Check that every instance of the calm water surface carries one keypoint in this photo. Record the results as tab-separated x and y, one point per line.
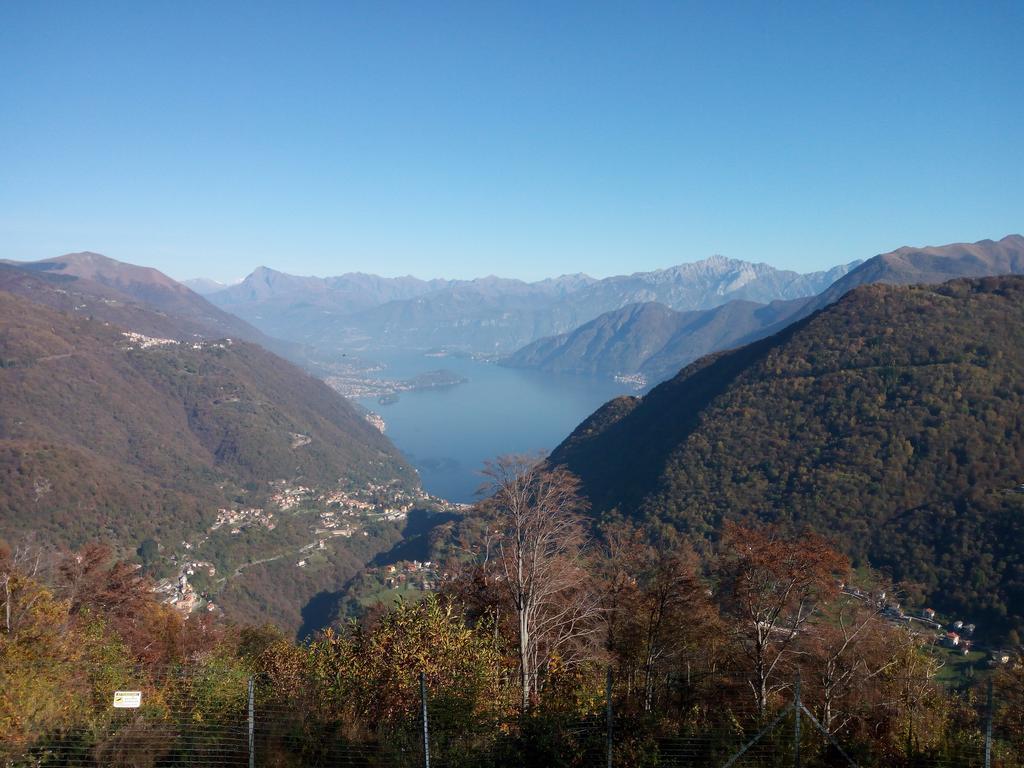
448	433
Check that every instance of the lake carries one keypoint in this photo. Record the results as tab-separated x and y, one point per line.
448	433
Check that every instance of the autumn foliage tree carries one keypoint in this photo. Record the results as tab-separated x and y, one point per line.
376	669
537	561
656	606
771	586
746	617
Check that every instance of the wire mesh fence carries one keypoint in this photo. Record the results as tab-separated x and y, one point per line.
213	715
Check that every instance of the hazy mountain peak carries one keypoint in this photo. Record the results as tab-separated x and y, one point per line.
719	261
264	273
83	257
205	286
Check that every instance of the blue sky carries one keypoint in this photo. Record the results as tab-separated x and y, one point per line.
521	139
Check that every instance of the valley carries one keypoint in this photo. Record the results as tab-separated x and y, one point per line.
277	477
447	433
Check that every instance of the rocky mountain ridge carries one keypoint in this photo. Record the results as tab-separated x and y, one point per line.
356	312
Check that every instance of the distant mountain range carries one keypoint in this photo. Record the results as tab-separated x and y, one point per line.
656	341
492	314
891	421
204	286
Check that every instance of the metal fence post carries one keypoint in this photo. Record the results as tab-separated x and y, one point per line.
426	730
252	724
797	705
988	727
608	715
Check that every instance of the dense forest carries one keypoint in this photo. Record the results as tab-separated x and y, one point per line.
891	420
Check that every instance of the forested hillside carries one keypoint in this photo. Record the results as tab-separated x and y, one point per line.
891	421
104	435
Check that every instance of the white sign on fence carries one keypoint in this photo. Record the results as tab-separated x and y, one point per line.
127	699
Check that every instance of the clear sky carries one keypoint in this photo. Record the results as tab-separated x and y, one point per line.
524	139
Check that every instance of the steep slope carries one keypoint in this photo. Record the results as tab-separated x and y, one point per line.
620	341
933	264
102	435
652	339
603	345
490	314
892	421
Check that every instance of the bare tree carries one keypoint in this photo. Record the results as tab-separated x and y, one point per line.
19	565
771	587
537	553
851	649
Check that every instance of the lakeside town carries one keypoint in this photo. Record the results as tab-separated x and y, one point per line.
635	380
357	385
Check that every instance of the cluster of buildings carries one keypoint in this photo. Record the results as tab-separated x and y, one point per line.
332	524
287	497
635	380
180	594
347	501
423	576
389	501
141	341
377	421
243	518
345	512
958	637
